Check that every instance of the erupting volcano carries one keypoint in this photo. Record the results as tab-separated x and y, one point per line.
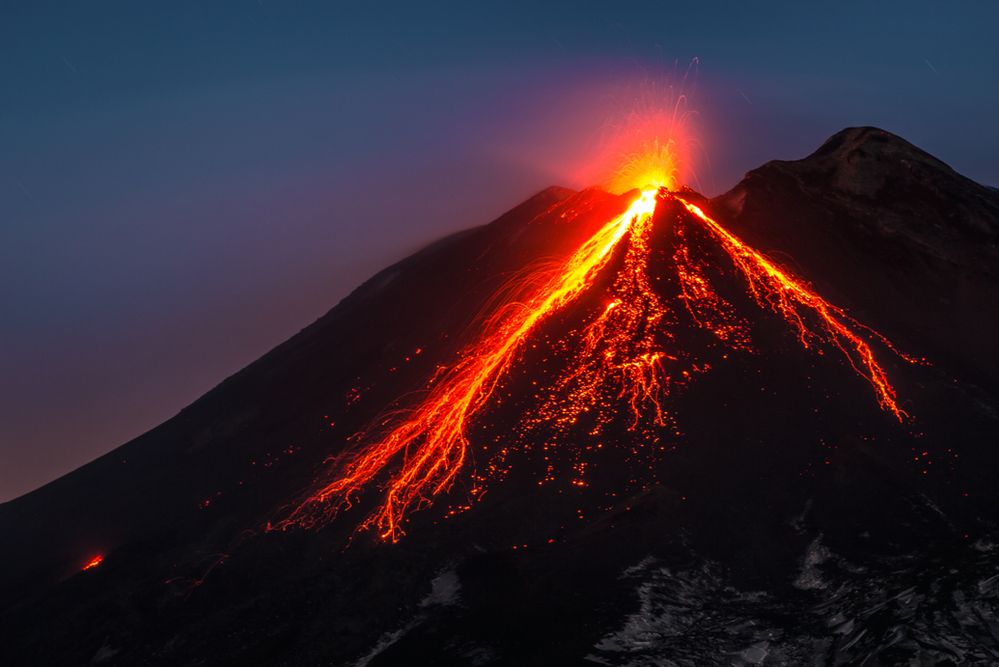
624	357
622	425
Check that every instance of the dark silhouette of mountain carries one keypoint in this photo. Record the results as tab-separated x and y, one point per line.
780	516
909	242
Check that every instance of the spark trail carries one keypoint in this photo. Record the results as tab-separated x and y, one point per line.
618	358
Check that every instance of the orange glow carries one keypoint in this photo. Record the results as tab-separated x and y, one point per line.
655	163
650	142
624	357
93	562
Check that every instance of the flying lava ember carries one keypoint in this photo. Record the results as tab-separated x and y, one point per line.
623	357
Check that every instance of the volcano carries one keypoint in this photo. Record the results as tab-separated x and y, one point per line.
637	429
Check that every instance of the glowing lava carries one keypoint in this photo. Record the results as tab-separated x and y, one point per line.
431	441
791	298
625	356
621	347
93	562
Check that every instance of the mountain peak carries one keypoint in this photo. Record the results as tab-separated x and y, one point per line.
872	163
867	139
869	208
865	160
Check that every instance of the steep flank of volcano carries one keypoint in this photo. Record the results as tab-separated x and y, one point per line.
910	245
252	442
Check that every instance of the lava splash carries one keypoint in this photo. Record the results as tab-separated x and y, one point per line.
625	355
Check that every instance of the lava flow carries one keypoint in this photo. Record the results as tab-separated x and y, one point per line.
793	300
93	562
432	439
625	355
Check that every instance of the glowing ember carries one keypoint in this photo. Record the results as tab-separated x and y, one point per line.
624	356
94	562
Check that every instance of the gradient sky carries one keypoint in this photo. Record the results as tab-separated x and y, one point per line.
185	185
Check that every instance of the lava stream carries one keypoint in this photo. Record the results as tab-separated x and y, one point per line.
791	298
93	562
431	439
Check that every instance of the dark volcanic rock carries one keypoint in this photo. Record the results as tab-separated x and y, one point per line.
792	522
911	245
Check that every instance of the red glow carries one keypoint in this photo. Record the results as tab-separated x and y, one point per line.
93	562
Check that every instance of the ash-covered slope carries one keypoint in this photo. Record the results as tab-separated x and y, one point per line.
776	514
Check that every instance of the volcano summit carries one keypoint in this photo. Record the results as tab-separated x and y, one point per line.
647	428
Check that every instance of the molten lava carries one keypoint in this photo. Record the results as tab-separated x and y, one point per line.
93	562
432	439
791	298
625	356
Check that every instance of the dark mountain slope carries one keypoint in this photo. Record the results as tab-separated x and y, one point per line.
158	482
911	245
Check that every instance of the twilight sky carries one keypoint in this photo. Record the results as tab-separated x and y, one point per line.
185	185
